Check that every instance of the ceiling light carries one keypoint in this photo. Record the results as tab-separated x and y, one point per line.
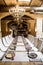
17	12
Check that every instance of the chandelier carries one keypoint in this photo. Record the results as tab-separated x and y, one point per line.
17	12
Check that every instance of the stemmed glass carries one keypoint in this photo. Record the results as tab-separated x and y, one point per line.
28	48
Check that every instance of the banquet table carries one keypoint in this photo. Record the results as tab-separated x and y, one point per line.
21	53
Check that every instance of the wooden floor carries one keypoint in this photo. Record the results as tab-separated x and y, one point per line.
21	63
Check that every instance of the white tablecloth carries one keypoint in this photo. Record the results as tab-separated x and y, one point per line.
38	58
23	57
20	48
20	43
31	45
21	54
20	39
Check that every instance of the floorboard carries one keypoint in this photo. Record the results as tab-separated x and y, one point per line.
21	63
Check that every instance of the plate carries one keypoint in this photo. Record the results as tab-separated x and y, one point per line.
13	47
14	43
10	55
32	55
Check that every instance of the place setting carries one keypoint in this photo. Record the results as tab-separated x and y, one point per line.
10	55
33	56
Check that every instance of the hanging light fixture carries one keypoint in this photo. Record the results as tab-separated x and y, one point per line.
17	12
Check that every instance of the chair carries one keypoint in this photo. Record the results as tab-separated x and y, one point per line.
29	42
41	47
1	54
35	41
31	38
8	40
2	47
25	42
5	42
34	49
39	43
10	37
42	50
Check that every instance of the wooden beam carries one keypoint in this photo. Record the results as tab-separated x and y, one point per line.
30	2
5	2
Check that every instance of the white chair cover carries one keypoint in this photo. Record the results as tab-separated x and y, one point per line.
4	41
2	47
1	54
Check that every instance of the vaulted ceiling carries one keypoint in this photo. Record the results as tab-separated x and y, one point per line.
29	14
14	2
6	4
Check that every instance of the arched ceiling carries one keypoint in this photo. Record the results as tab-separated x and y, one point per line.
14	2
5	5
30	15
4	14
4	11
10	2
7	2
2	2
